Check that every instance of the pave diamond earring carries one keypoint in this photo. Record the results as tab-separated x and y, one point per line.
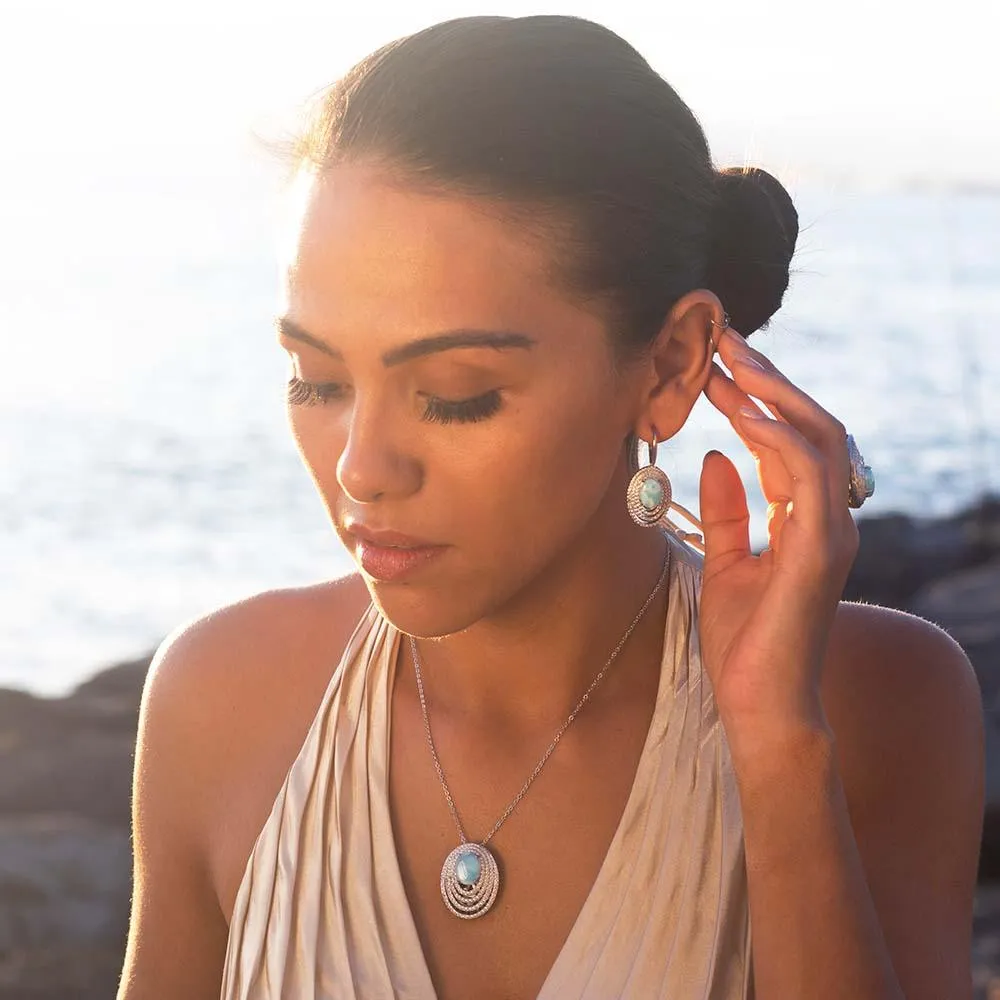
650	496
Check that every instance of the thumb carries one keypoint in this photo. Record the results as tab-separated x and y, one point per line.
725	516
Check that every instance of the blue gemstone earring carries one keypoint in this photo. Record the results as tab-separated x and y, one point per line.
649	492
650	496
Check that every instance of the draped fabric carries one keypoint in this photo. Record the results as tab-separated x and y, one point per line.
322	914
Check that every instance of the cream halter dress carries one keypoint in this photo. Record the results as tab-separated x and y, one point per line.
321	912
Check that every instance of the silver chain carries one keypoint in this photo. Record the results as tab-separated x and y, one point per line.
562	729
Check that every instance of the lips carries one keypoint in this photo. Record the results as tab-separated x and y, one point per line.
390	555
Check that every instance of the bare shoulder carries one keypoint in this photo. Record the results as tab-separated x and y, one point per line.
251	677
225	707
905	707
242	671
897	687
237	657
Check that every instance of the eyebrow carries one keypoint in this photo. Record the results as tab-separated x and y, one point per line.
447	341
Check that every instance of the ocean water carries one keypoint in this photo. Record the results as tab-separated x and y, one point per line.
146	471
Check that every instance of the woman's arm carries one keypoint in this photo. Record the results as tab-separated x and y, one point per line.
226	706
863	842
177	932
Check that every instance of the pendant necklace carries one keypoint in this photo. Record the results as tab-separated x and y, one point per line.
470	878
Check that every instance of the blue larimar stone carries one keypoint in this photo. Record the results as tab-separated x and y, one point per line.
468	869
651	493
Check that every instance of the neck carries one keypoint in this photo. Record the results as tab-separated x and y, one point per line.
529	662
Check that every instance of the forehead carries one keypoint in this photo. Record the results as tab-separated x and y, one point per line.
364	253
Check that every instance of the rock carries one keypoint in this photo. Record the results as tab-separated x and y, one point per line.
967	606
65	886
117	688
72	754
986	943
989	853
899	555
64	881
969	602
65	837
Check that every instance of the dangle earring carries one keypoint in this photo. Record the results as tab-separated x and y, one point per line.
650	496
649	492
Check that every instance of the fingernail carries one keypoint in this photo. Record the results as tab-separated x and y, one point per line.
752	412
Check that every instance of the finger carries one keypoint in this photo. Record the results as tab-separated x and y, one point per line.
727	397
790	404
806	467
781	395
725	517
779	511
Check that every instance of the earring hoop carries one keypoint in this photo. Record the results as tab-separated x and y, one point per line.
651	450
724	325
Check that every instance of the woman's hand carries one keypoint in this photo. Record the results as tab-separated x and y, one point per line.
765	620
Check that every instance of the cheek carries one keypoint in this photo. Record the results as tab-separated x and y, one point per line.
319	441
549	473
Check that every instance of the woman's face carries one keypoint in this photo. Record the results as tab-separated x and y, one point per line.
459	414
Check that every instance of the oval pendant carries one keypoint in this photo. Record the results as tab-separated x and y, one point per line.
470	880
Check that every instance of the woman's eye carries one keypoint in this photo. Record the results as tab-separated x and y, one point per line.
302	393
436	410
444	411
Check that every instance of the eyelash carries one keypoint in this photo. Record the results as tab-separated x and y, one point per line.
464	411
439	411
302	393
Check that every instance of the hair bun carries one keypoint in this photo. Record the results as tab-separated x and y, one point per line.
755	229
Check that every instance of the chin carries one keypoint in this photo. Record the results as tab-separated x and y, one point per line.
424	612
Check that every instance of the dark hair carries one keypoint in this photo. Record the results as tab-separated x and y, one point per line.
564	124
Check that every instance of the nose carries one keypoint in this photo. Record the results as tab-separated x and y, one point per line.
373	466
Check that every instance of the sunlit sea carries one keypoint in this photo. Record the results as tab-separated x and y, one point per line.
146	471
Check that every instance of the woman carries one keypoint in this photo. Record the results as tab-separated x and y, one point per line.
610	745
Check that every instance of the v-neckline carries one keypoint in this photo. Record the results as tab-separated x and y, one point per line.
393	870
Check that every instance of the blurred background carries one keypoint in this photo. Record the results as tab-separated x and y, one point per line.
146	471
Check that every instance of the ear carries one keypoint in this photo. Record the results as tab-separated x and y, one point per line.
680	363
